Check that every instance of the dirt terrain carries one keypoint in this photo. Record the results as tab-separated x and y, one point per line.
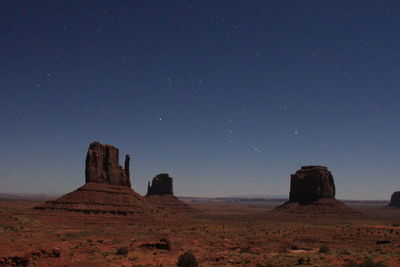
223	233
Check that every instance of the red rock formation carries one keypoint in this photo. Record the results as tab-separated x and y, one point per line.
161	185
311	183
312	190
395	200
160	193
107	189
102	166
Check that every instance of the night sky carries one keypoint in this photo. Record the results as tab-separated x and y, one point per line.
228	97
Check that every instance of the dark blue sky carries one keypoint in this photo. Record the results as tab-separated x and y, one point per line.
229	97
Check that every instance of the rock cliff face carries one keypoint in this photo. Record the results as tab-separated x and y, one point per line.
107	189
312	191
311	183
102	166
161	185
395	199
160	193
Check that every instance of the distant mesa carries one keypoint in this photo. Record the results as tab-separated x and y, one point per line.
161	185
312	189
160	192
107	189
311	183
395	200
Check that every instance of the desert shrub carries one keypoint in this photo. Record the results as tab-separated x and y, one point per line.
187	260
344	252
324	249
366	263
301	261
122	251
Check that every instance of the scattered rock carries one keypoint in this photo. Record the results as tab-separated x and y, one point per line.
382	242
187	260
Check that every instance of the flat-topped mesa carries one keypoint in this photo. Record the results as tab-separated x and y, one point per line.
102	166
160	193
311	183
395	200
161	185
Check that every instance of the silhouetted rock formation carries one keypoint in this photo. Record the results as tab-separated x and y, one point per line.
311	183
107	189
161	185
312	190
160	193
395	200
102	166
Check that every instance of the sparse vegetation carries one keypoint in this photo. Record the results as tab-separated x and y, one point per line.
302	261
122	251
366	263
344	252
243	242
324	249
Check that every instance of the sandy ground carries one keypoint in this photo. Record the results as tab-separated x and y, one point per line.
222	234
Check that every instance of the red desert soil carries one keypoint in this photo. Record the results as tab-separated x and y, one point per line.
242	233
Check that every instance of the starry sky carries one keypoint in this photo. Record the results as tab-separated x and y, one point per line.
228	97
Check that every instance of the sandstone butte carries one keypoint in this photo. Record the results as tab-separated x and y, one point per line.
107	189
395	200
312	190
160	192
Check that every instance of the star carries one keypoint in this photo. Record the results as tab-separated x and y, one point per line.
256	149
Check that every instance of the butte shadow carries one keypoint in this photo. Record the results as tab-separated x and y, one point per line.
107	189
312	190
160	193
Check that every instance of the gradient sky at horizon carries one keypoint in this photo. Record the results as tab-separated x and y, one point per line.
228	97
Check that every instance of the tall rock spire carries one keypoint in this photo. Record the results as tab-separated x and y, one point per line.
102	166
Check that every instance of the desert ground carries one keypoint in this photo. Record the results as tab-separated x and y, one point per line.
221	233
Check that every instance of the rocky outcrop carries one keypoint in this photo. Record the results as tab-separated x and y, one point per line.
161	185
160	193
312	191
311	183
395	200
102	166
107	189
